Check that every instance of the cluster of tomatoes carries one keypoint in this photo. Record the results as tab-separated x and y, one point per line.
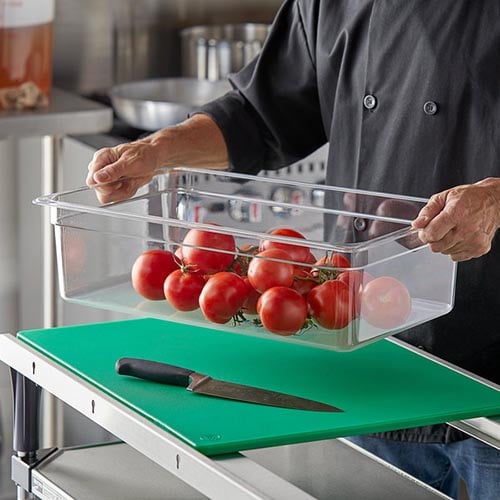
280	283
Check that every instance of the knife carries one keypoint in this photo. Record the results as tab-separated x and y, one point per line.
208	386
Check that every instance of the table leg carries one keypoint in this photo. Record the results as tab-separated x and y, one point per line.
52	422
26	397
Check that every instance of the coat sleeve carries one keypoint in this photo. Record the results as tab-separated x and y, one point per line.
272	116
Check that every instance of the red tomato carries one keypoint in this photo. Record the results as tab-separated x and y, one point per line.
240	263
339	260
178	253
250	304
282	310
264	273
75	253
223	296
149	272
297	253
336	261
355	280
323	272
182	289
204	260
385	302
303	280
311	259
331	304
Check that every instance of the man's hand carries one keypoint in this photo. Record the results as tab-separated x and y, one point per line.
117	173
462	221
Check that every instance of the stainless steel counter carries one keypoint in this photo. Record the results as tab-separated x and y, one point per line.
484	429
67	114
309	470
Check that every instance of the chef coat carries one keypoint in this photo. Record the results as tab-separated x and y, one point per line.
407	94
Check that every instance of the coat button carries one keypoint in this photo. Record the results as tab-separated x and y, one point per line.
359	224
430	108
369	101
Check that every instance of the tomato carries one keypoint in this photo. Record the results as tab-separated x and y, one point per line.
297	253
311	259
182	289
250	304
241	262
339	260
303	280
75	253
282	310
335	261
178	253
323	272
205	260
264	273
149	272
223	296
385	302
332	304
355	280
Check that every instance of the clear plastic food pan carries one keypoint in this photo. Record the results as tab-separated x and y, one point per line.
353	270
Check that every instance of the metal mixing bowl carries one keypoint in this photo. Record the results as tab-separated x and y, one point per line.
158	103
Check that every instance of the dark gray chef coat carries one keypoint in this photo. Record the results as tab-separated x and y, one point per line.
407	93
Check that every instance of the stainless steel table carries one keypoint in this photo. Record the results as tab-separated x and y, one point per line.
328	469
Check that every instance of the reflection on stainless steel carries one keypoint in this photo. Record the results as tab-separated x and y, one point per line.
213	52
100	43
158	103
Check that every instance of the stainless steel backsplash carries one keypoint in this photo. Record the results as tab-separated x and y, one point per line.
98	43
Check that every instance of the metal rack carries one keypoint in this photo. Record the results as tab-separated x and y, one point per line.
235	476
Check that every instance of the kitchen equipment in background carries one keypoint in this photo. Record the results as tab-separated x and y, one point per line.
200	383
157	103
101	43
213	52
26	53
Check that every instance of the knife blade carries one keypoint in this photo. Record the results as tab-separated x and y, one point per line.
200	383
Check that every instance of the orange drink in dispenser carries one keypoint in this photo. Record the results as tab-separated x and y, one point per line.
25	53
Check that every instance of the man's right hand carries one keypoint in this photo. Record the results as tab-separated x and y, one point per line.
117	173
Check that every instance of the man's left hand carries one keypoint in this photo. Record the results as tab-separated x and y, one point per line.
462	221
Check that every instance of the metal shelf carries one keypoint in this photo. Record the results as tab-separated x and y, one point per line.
290	472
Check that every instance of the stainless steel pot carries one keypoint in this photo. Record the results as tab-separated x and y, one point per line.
213	52
158	103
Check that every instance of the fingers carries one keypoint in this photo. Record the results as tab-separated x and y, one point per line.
112	172
439	227
133	160
101	159
108	166
434	206
452	224
120	190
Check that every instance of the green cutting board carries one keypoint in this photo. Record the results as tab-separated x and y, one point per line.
380	387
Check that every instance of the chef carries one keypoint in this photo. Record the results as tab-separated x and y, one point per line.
407	93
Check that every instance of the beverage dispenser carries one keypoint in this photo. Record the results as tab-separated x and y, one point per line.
25	53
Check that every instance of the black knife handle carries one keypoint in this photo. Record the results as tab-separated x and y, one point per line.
154	371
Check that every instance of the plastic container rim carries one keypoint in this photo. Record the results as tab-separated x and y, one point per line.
53	201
